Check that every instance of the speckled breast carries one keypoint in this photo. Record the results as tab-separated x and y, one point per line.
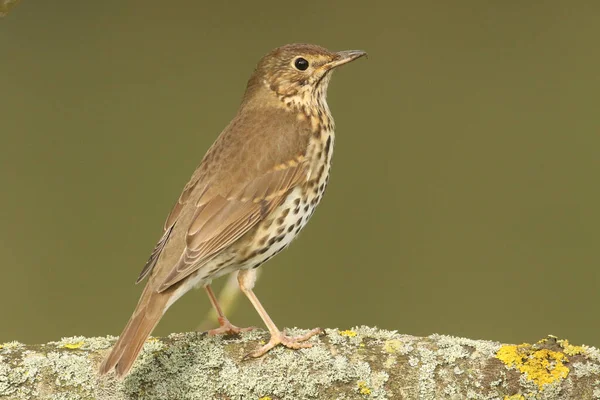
277	231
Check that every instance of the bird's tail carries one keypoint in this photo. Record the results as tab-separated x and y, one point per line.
148	312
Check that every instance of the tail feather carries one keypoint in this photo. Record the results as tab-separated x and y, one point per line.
148	312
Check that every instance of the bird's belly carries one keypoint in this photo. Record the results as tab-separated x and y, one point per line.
271	236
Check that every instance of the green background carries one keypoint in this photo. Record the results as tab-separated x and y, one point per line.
464	197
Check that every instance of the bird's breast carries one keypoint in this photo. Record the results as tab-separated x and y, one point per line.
284	224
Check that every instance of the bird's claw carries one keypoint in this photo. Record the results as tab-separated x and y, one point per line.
227	328
291	342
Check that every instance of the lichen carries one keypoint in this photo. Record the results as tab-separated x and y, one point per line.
541	366
569	349
14	345
83	343
427	368
72	371
368	363
392	346
73	346
585	369
484	347
363	388
591	353
192	359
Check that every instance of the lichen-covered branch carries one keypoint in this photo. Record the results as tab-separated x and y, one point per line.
362	363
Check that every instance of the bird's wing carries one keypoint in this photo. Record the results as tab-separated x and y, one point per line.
221	219
168	228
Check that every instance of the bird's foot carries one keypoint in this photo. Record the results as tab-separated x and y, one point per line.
291	342
227	328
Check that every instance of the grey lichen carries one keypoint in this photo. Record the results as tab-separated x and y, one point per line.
358	363
14	345
429	363
84	343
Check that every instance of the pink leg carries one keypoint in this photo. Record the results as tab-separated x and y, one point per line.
246	280
225	327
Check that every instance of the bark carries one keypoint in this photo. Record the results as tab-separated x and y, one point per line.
362	363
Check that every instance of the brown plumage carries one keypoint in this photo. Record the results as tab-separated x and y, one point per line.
254	190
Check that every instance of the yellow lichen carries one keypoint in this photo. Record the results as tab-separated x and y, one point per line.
73	346
392	346
544	340
569	349
514	397
1	346
389	362
363	388
348	333
152	339
542	366
265	398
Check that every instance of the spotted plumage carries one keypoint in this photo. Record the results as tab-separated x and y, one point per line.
254	191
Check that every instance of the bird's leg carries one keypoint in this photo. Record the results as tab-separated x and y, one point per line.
225	327
246	279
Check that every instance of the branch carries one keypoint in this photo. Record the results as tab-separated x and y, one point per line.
364	363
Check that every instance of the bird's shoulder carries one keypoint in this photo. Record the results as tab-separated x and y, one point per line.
254	142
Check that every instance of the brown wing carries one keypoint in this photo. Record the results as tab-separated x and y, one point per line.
220	220
168	228
155	255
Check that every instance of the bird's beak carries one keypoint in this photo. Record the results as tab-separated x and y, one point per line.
344	57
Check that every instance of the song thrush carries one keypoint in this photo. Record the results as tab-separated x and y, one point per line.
253	192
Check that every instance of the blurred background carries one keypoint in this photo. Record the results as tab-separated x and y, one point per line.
464	197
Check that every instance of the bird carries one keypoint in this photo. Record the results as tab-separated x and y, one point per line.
253	192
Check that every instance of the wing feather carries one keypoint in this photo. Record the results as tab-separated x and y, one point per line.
168	229
220	220
155	254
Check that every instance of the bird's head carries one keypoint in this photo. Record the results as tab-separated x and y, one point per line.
299	69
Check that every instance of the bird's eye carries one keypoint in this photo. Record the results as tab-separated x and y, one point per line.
301	64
